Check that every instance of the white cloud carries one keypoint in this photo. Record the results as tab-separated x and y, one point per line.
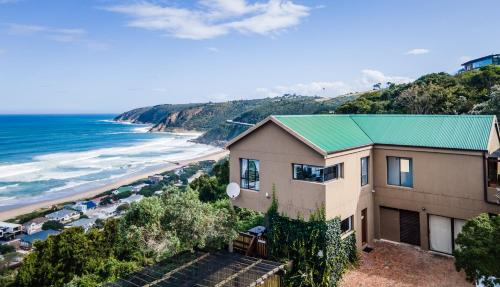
309	89
63	35
214	18
417	51
213	49
371	77
335	88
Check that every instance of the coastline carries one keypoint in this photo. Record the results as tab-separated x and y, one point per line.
11	213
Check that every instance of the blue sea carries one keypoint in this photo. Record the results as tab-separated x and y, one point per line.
44	157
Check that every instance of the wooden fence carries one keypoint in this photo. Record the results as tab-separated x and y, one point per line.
251	245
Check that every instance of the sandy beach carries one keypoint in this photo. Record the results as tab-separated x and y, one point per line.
11	213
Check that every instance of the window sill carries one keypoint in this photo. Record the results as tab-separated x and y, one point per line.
250	190
318	182
400	187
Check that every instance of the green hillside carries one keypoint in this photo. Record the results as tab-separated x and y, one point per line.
473	92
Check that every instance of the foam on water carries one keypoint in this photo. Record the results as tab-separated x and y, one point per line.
57	174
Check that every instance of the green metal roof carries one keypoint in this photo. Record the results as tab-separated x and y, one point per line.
333	133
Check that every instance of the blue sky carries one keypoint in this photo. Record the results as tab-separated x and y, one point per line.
60	56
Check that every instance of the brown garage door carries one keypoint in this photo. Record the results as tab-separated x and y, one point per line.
409	227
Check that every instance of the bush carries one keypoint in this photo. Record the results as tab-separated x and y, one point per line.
52	224
6	248
319	255
478	251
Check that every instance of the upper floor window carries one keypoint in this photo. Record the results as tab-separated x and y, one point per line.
493	172
364	170
249	174
347	224
399	171
316	173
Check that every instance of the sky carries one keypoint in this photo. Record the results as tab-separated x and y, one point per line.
109	56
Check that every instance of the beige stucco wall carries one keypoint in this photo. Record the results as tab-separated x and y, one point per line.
276	150
446	183
347	197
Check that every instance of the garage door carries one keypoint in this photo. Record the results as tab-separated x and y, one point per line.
409	227
400	225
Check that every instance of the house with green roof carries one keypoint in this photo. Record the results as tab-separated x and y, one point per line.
414	179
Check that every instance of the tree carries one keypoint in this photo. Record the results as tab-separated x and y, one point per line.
52	224
208	188
221	171
478	249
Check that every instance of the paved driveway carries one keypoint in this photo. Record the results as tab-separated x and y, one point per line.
391	264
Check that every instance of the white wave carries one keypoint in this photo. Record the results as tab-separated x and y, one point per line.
9	186
95	163
143	129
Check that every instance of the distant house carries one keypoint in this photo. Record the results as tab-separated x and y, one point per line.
9	230
159	192
85	223
79	206
28	240
83	206
96	201
103	212
34	225
493	59
155	179
131	199
63	215
122	190
195	176
137	188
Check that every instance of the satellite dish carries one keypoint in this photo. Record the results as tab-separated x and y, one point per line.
233	190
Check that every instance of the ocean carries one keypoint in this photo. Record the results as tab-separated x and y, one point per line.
45	157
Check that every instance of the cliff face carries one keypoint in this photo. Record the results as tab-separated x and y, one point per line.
212	118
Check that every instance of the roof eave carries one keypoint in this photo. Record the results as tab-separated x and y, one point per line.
281	125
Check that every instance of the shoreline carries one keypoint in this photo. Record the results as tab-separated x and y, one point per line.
14	212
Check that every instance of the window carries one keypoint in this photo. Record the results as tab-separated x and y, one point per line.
399	171
316	173
364	171
249	173
443	232
347	224
492	172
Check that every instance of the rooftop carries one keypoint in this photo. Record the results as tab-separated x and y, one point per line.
481	58
42	235
332	133
61	213
204	269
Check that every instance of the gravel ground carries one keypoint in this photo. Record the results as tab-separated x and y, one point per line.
391	264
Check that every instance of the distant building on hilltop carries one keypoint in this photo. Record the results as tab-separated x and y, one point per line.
493	59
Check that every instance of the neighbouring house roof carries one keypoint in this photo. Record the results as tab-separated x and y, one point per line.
42	235
84	222
204	269
8	224
332	133
38	220
61	213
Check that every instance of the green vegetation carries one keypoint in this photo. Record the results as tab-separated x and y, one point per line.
319	255
6	248
472	92
478	251
52	224
211	117
151	230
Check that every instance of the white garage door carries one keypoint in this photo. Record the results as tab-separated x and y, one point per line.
440	233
